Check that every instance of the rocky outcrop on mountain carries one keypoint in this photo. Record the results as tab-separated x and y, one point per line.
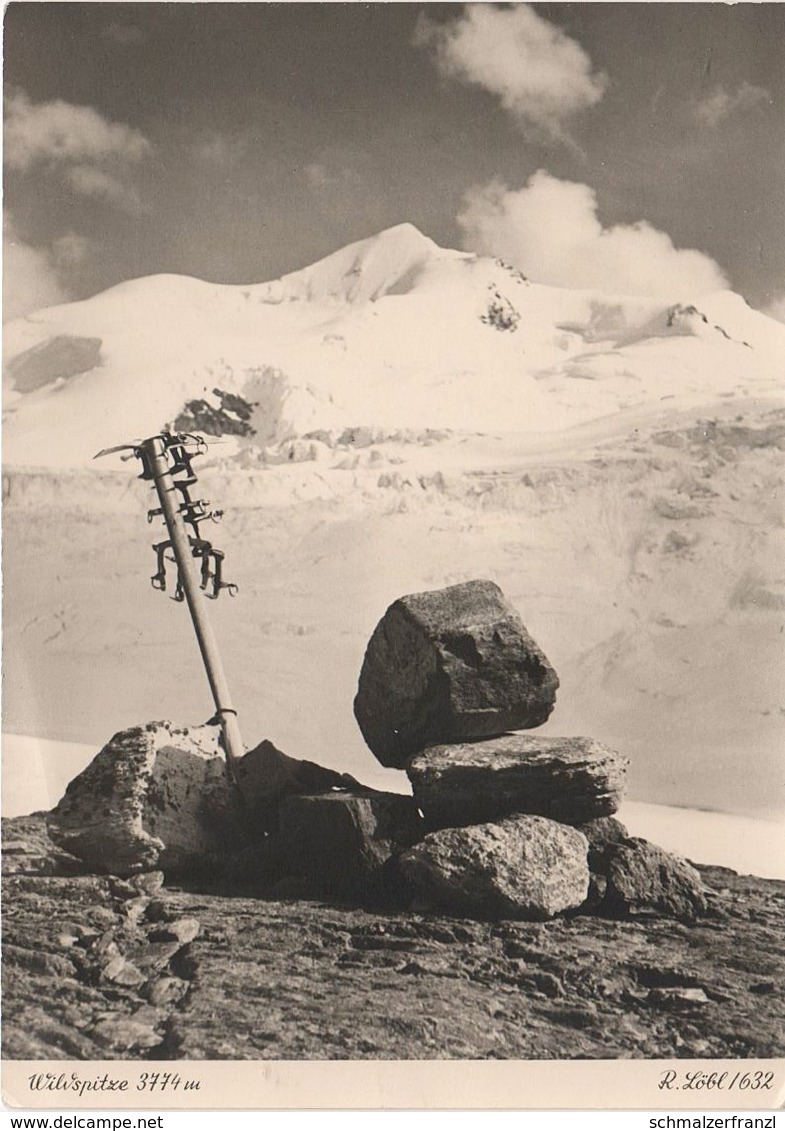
490	829
234	978
569	779
67	354
450	665
590	943
519	868
229	415
158	796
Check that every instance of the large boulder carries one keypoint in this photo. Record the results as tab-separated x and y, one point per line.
568	779
339	840
520	868
642	878
156	796
450	665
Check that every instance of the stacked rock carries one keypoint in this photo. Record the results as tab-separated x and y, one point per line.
500	823
517	825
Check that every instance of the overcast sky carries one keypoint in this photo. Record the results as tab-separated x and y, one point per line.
631	147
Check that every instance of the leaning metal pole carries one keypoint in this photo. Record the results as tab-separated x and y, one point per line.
155	449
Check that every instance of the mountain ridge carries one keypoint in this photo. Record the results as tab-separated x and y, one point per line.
391	331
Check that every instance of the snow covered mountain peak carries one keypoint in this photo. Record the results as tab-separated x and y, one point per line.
389	263
391	332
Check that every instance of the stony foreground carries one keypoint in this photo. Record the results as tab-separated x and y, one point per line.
102	968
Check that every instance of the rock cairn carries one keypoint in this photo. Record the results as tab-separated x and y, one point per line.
516	825
500	823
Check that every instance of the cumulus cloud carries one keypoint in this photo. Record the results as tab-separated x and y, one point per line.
58	132
539	74
720	103
95	157
89	180
550	230
30	276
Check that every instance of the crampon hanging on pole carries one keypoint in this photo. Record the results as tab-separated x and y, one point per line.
166	461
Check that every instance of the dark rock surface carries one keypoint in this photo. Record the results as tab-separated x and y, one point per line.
339	840
449	665
157	796
290	979
568	779
266	772
56	358
519	868
641	877
267	776
602	833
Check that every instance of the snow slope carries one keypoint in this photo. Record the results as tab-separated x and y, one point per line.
417	417
392	332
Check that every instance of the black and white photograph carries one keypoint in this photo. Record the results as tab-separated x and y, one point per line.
393	545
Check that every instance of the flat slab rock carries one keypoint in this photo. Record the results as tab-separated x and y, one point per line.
567	779
450	665
338	840
520	868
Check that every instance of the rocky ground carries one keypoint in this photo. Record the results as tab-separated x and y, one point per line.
96	967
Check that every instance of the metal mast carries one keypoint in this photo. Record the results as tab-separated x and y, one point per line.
166	460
